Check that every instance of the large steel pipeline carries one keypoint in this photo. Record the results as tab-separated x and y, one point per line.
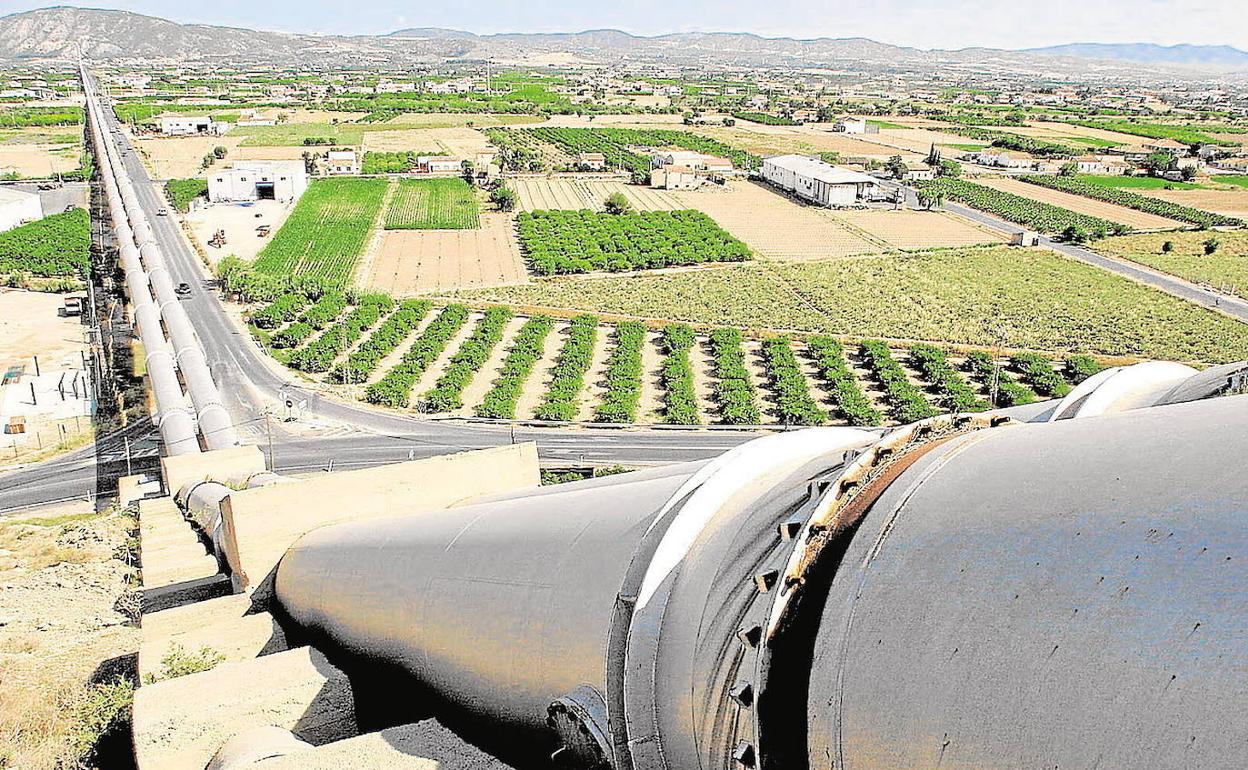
147	276
964	592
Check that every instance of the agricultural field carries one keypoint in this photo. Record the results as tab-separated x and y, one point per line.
1187	134
411	262
432	204
463	143
776	227
406	120
567	193
613	143
181	192
1154	207
1229	202
1226	268
581	241
912	230
1023	208
1015	298
40	152
327	231
56	246
1119	182
499	363
780	140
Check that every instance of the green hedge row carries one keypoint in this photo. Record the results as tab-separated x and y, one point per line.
319	354
281	310
1079	368
954	392
500	401
794	404
850	400
734	392
905	400
1009	392
324	310
569	373
680	400
1038	372
623	375
363	360
448	392
395	388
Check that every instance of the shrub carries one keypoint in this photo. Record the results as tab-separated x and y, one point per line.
907	403
623	375
500	401
319	354
395	388
680	400
568	375
1080	368
734	392
57	245
1037	371
447	392
794	404
851	402
389	335
983	368
954	393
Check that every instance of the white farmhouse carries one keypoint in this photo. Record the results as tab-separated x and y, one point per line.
816	181
697	161
438	164
191	125
673	177
338	162
278	180
18	208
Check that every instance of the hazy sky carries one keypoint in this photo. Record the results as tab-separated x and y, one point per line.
922	23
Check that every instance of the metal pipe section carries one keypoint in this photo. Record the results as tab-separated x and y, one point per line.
147	276
964	592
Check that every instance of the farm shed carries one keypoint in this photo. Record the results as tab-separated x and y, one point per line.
816	181
18	208
341	162
279	180
693	160
438	164
675	178
191	125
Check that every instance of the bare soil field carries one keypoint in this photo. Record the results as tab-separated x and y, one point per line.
918	140
776	227
179	157
568	193
412	262
1047	129
1137	220
31	325
1232	203
617	121
38	160
66	576
909	229
239	223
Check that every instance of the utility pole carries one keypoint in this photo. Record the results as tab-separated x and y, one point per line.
268	424
129	472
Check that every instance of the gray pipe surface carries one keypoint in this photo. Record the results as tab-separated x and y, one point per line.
953	594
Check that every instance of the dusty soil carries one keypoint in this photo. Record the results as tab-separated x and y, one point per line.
776	227
31	325
775	140
178	157
240	223
463	143
1135	219
412	262
66	592
38	160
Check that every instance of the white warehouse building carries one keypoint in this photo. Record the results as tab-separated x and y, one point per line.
191	125
277	180
818	182
18	208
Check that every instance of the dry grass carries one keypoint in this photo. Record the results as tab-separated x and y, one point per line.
909	229
567	193
1232	203
61	682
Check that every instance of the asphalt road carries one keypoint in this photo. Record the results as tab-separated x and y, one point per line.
369	437
1232	306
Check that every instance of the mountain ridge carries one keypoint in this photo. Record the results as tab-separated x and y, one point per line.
61	33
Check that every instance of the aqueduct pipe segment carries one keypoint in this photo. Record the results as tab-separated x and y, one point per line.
955	593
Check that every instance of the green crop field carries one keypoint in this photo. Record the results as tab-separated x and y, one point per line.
1188	134
296	134
433	204
1226	267
57	245
1137	182
327	231
22	117
1131	200
614	144
1021	298
1238	181
581	241
182	191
